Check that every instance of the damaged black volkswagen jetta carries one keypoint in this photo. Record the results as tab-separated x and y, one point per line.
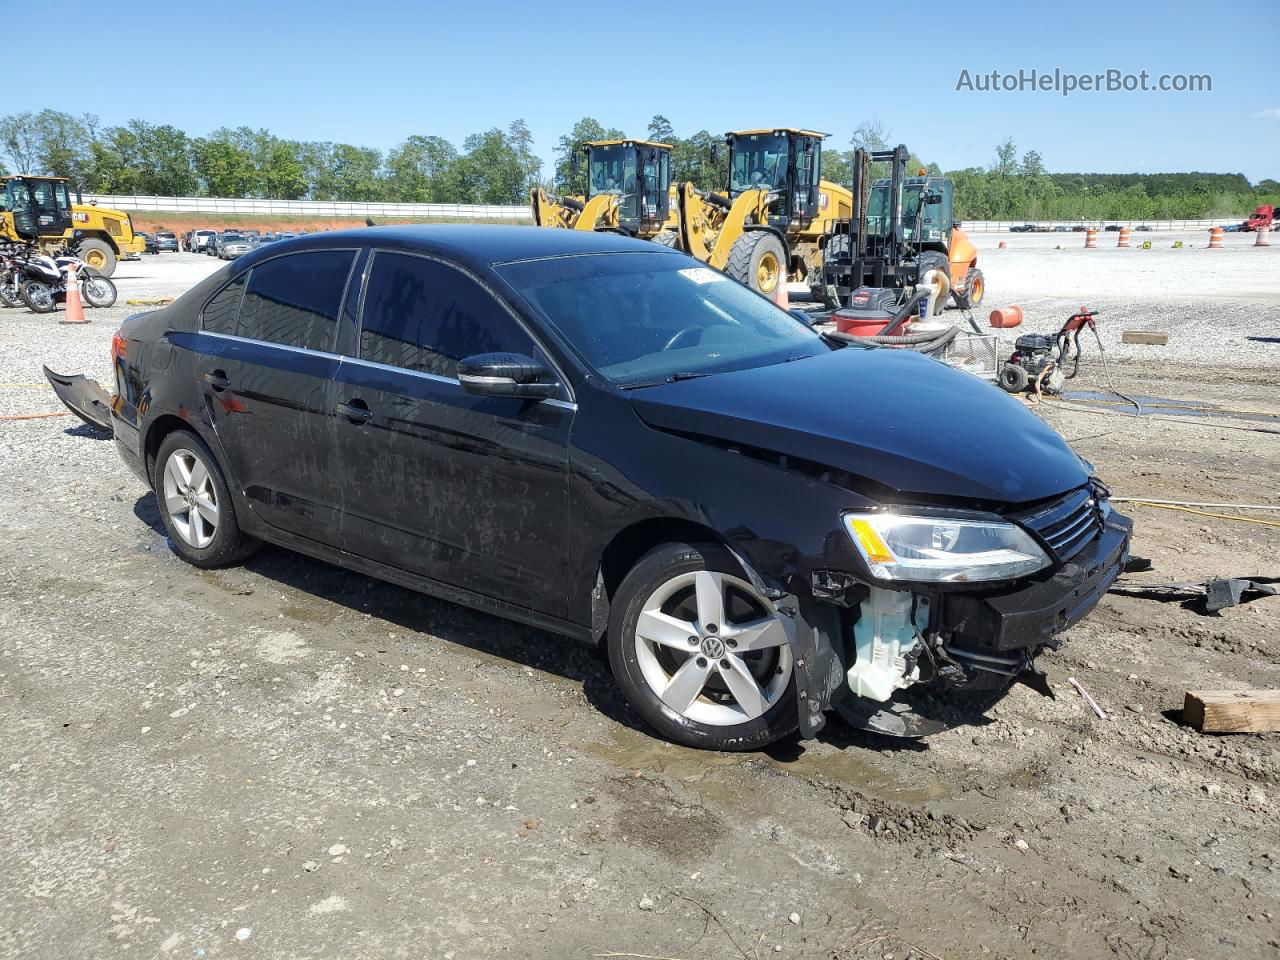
604	438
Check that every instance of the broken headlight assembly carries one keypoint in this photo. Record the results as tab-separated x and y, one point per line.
924	549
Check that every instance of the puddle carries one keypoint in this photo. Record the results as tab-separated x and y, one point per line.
1163	406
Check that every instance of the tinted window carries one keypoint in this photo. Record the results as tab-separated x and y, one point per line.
295	300
424	315
220	312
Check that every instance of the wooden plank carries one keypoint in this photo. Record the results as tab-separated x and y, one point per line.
1150	338
1232	711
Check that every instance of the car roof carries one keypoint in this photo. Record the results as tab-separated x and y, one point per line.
479	245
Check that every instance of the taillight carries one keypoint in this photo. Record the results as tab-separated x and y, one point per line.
119	346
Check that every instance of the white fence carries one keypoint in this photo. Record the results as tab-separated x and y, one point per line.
310	208
1002	226
475	211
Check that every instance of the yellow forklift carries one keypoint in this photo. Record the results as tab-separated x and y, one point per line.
766	228
628	191
39	210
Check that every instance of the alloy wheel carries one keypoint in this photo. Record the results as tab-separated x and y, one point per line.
712	649
190	498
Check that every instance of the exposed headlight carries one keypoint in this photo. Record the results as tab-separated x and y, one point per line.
941	550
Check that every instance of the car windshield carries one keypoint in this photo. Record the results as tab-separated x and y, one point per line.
759	160
641	319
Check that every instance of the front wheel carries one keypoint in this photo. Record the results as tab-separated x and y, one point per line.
37	296
9	293
975	288
699	653
668	238
98	291
757	259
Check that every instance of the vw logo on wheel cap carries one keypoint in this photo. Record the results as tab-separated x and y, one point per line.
712	648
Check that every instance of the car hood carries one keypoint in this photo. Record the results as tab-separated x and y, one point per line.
893	417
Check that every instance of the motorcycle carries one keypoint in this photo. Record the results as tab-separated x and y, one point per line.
12	263
44	283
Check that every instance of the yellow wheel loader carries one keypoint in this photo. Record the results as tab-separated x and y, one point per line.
39	210
628	191
901	228
767	228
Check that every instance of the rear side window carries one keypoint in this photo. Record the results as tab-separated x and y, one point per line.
424	315
295	300
221	311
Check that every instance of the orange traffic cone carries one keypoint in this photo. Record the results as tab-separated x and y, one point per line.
780	295
1124	237
1091	240
75	310
1215	238
1261	239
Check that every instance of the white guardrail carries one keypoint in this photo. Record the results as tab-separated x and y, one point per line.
476	211
309	208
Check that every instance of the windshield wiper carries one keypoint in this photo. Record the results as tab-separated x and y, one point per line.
669	378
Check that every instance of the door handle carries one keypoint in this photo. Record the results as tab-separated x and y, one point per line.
357	411
217	379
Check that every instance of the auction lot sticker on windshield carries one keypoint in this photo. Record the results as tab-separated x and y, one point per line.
702	275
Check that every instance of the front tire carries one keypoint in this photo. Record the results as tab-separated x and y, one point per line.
1013	378
699	654
195	504
668	238
98	291
975	289
758	260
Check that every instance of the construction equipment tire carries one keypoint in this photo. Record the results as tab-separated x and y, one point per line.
668	238
97	255
932	260
757	259
975	288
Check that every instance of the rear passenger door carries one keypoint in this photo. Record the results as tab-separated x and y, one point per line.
264	361
466	490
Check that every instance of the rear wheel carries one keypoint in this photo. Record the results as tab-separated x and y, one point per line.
97	256
98	291
757	259
933	261
699	653
668	238
196	504
37	296
9	295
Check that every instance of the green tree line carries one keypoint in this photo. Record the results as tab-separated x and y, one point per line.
499	166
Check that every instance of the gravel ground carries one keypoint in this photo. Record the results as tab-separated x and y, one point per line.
286	760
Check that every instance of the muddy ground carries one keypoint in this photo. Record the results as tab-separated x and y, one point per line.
286	760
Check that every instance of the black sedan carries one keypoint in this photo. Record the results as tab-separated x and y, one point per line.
605	438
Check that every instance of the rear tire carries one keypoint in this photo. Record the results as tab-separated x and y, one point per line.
933	261
734	688
37	296
9	295
668	238
758	260
97	256
195	504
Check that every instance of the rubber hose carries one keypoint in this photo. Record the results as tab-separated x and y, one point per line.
724	203
899	340
933	346
572	204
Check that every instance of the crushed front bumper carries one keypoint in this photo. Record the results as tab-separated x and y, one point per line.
1030	616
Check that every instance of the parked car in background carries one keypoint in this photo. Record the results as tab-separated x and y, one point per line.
540	424
200	239
167	242
1112	227
1023	228
150	245
1079	228
237	247
1143	227
285	236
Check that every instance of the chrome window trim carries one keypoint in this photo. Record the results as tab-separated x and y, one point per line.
269	343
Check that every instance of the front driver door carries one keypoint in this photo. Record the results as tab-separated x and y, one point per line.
469	491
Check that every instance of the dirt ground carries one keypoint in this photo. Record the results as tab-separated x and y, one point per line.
286	760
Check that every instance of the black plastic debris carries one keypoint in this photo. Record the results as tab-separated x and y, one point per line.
1206	596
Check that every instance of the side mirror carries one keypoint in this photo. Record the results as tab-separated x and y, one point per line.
506	375
956	224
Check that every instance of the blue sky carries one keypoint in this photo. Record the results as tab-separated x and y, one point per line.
375	71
